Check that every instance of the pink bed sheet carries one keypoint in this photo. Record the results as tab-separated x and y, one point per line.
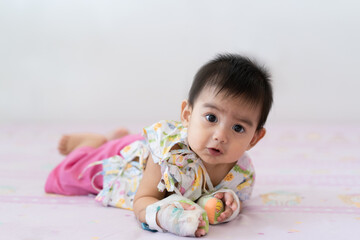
307	187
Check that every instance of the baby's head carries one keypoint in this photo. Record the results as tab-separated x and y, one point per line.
228	104
235	76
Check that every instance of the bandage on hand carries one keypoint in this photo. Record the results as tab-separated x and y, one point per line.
178	215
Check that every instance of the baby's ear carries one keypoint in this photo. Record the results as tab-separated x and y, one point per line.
185	113
258	135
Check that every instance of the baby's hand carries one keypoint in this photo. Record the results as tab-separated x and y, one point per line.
230	205
178	215
200	231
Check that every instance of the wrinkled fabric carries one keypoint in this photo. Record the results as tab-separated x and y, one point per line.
72	176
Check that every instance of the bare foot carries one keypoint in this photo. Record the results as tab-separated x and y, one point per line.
69	143
118	133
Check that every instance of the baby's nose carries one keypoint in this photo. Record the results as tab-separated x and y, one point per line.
220	135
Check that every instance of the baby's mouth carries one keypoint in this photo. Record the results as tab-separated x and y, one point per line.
214	151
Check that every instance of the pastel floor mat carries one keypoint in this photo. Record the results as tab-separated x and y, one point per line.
307	187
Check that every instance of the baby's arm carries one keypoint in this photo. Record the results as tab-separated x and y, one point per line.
148	194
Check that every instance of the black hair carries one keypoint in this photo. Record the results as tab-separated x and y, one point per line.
236	76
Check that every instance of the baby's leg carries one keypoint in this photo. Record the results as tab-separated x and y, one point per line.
118	133
65	177
70	142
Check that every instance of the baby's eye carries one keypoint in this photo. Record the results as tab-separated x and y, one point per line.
211	118
238	128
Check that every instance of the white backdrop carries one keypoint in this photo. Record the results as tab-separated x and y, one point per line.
133	61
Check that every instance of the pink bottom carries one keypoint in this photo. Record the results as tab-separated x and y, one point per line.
64	179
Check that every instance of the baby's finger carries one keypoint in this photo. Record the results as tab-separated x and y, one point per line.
226	214
202	223
200	232
219	195
229	199
234	206
187	206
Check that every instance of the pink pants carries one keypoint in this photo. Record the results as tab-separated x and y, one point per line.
64	178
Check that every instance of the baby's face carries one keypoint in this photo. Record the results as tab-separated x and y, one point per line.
221	129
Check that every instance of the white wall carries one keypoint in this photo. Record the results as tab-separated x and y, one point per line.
133	61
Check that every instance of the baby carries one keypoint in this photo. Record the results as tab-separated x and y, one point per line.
162	173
